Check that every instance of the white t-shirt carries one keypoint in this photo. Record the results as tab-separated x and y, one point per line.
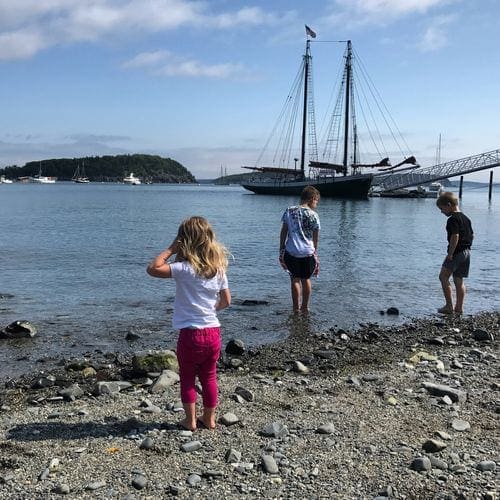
195	297
301	223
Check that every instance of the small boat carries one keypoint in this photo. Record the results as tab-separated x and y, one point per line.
42	179
339	172
132	180
79	176
3	180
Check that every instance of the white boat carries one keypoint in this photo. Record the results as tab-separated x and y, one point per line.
79	176
42	179
3	180
132	180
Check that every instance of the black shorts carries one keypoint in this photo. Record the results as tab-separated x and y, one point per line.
300	267
459	265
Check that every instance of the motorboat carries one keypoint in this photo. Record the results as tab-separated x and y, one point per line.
132	180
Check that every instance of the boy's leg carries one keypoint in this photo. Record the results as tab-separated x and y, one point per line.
444	278
306	294
460	292
295	289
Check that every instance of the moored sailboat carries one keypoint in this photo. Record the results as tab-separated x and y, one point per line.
79	176
339	172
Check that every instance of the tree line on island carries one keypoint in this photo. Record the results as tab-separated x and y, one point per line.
150	168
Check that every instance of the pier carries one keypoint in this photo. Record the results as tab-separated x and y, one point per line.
423	175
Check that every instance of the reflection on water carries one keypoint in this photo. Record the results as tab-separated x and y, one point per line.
74	257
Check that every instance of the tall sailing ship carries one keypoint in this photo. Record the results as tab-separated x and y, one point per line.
339	171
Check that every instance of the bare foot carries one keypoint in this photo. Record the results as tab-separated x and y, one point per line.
445	310
188	425
205	424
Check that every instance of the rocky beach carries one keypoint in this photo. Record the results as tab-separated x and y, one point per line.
378	412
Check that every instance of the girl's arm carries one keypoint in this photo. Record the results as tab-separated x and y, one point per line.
159	268
224	299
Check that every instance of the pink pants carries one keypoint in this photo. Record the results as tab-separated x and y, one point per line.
197	352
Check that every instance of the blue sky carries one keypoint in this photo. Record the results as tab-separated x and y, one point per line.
203	81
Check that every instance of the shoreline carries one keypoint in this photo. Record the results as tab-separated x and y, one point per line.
334	414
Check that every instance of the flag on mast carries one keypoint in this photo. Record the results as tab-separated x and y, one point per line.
310	32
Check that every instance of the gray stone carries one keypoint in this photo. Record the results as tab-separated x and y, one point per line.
269	464
486	465
139	481
460	425
101	388
43	382
167	379
275	429
300	367
232	456
18	330
437	463
71	393
95	485
421	464
235	347
147	444
190	446
246	394
327	428
483	335
193	480
229	419
433	445
62	489
456	395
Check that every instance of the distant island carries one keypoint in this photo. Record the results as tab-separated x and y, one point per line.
149	168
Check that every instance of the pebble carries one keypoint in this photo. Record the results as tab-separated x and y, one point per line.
433	445
327	428
269	464
275	429
486	465
139	481
147	444
95	485
246	394
193	480
229	419
421	464
460	425
191	446
62	489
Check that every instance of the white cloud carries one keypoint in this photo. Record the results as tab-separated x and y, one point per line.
62	22
381	12
21	44
165	63
435	36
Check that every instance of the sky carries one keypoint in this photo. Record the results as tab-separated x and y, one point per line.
203	82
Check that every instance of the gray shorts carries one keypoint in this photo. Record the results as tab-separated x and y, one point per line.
459	265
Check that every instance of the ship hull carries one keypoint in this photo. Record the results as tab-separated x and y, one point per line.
350	186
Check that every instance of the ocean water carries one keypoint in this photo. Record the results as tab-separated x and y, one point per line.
73	260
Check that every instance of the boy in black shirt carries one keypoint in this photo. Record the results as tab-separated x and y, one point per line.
457	261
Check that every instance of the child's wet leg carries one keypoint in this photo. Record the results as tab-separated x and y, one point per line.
208	418
444	278
189	421
306	294
460	291
295	289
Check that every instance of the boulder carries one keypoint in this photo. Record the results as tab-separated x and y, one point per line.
155	362
235	347
21	329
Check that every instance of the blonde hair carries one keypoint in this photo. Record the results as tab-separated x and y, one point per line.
197	245
447	199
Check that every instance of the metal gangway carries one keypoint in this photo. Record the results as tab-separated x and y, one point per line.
424	175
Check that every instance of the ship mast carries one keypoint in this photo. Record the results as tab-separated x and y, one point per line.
348	71
307	59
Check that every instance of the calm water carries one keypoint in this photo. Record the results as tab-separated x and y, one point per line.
74	257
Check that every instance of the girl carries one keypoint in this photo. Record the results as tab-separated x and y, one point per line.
199	271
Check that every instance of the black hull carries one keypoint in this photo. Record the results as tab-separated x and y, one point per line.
349	186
